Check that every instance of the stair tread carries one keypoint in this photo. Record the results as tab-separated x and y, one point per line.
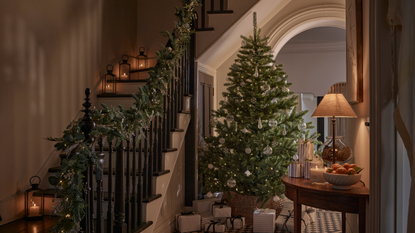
143	226
113	95
177	130
160	173
220	12
152	198
132	81
204	29
184	112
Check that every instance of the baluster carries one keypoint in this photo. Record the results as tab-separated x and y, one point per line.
172	104
87	126
212	5
119	215
134	192
145	168
127	188
140	182
169	115
155	154
150	161
110	212
91	196
221	5
98	178
160	144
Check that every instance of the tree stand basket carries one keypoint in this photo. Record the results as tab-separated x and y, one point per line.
246	205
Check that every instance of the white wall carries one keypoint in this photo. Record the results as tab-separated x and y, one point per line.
50	51
313	71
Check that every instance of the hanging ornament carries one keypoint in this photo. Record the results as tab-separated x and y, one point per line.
243	43
274	143
272	123
226	150
302	126
230	118
266	87
256	72
284	131
209	195
221	140
231	183
242	84
276	198
248	150
259	123
274	101
267	150
210	166
253	100
213	121
244	130
247	173
295	157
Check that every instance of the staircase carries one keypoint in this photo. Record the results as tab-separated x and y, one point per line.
135	184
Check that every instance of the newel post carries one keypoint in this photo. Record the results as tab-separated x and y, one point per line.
87	126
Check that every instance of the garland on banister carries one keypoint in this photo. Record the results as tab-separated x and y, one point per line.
116	124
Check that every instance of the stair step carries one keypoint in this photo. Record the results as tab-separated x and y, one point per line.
114	95
152	198
177	130
221	12
160	173
204	29
143	226
48	193
188	95
169	150
184	112
140	70
132	81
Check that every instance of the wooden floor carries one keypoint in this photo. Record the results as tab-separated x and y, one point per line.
34	226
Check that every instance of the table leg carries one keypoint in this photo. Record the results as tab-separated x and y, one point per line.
343	222
362	215
297	214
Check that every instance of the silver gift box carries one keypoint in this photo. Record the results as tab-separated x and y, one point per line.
295	170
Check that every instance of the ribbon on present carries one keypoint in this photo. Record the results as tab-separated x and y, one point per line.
233	218
286	218
212	223
221	203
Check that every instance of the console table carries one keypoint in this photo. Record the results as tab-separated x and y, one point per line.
325	197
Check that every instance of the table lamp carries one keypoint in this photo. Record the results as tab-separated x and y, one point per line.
334	105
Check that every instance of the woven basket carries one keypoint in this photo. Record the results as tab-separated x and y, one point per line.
246	205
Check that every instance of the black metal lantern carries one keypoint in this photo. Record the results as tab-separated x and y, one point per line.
34	200
109	81
142	59
124	68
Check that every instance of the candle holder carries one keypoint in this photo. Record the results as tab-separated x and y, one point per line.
34	200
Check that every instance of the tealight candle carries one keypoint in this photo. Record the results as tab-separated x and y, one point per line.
316	175
34	210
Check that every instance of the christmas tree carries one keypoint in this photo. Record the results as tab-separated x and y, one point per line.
257	126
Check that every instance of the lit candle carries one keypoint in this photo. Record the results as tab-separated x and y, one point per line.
34	210
316	174
109	88
124	76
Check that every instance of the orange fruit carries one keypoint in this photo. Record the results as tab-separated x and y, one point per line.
346	165
351	171
353	165
335	166
341	170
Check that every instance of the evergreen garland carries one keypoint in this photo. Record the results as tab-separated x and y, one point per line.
116	124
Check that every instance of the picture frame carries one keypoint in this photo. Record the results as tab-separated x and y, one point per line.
354	51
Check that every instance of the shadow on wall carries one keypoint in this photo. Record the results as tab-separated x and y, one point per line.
50	51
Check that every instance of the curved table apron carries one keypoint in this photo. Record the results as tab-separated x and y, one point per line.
325	197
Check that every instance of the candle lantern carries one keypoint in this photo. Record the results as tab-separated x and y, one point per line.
109	81
124	73
142	59
34	201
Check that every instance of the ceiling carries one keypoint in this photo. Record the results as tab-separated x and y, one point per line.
320	35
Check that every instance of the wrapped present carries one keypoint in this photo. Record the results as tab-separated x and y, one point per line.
237	222
285	221
305	150
213	195
296	170
207	217
187	222
204	205
264	220
221	209
215	226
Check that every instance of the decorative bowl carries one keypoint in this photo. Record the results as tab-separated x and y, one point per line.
342	181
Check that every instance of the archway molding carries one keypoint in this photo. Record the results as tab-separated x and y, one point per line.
308	18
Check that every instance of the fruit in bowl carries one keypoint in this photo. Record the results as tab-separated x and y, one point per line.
343	177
